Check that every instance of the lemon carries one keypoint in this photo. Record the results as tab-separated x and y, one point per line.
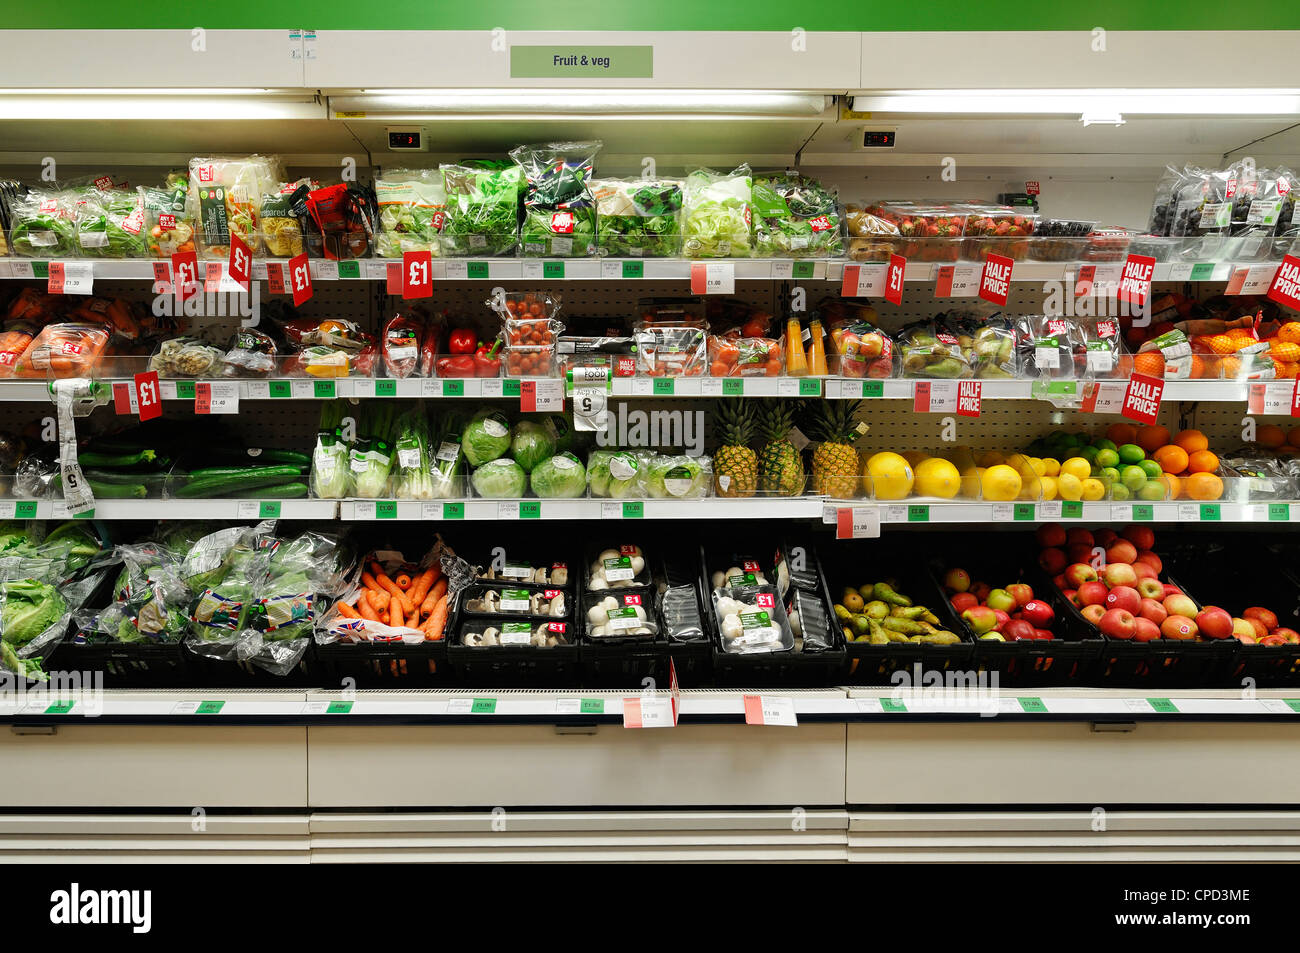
914	457
1077	467
891	475
1001	483
991	458
1069	487
936	477
1093	489
1049	487
1051	466
1040	468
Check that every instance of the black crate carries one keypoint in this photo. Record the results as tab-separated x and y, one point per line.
515	666
1068	659
129	664
625	664
385	664
692	661
219	673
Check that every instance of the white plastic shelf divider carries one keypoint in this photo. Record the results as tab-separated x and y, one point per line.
801	507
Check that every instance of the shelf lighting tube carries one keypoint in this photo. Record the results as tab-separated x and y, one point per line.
128	104
1077	102
604	103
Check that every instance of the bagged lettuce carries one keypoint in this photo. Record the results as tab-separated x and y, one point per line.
636	218
559	210
717	214
482	209
412	211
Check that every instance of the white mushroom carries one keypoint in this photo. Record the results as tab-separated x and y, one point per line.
539	575
605	554
719	579
597	613
560	576
600	630
638	564
598	583
557	605
732	627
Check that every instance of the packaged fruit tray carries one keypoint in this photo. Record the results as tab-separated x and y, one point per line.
1017	631
947	645
1151	626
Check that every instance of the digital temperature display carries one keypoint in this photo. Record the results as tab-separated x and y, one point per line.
404	140
872	139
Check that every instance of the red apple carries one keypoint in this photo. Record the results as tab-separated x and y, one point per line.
1151	559
1147	631
1179	604
980	619
1017	630
1142	537
1152	610
1044	634
1214	623
980	590
1050	534
1119	574
1001	599
1143	571
1178	627
1269	619
1059	581
1118	624
1052	561
1126	598
1072	595
957	580
1002	617
1079	573
1260	630
1079	553
1022	592
1093	613
1243	631
1171	589
1078	536
1038	613
1093	593
1290	635
1104	537
1151	589
1272	639
963	601
1121	552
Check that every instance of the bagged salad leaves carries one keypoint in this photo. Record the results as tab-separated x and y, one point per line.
482	208
412	207
169	228
638	218
281	215
150	599
717	215
43	224
223	198
111	224
559	210
795	217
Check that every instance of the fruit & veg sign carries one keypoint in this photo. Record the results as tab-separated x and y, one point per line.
1142	399
995	282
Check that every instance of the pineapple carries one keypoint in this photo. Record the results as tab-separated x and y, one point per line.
780	468
835	465
735	465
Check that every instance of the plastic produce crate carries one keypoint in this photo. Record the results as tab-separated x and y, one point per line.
692	660
219	673
128	664
623	661
385	664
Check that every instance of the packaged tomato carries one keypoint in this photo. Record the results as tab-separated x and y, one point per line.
733	356
67	349
520	306
403	336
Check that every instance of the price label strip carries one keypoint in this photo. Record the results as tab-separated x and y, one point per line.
769	710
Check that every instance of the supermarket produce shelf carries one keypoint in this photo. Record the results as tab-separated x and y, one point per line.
157	509
922	513
592	706
799	507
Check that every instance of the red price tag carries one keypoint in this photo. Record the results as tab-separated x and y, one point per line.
147	395
55	284
1295	399
202	398
275	277
970	396
393	274
185	274
300	279
122	402
1285	289
1083	284
765	600
162	274
212	277
632	600
1142	398
894	275
921	398
417	274
995	282
241	261
1135	281
1031	188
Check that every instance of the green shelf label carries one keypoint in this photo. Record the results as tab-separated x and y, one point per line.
476	269
892	704
452	388
385	388
810	388
210	707
483	706
324	390
552	269
633	511
1202	271
59	708
41	269
453	511
802	269
185	390
1294	703
509	388
1279	512
349	269
633	269
85	515
592	706
1032	705
1209	512
268	510
918	513
664	387
873	388
1145	511
733	388
338	708
1022	512
1072	510
1162	705
530	510
386	510
25	510
281	390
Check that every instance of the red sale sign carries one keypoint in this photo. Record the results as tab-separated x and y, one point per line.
241	261
417	274
970	395
300	279
147	396
1285	289
185	274
1135	282
894	275
1142	398
995	282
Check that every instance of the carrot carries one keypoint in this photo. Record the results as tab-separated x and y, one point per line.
431	600
363	607
379	599
422	584
368	581
394	590
345	610
395	615
403	581
437	620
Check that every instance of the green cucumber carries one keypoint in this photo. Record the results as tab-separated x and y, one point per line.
283	491
205	472
226	484
93	459
266	456
117	491
130	479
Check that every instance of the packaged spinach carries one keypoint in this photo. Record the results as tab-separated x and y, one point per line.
482	208
559	210
638	218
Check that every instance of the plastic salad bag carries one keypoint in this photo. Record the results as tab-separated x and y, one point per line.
43	224
717	214
223	198
169	228
150	600
412	211
795	217
482	208
638	218
344	215
34	614
675	477
281	215
111	224
559	210
613	474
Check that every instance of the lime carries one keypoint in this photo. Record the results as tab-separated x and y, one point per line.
1107	457
1108	475
1152	490
1118	491
1104	444
1088	453
1131	453
1151	469
1133	477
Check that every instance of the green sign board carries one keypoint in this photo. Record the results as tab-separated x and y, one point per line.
579	61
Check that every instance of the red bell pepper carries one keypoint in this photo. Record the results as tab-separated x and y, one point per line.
461	341
487	362
458	365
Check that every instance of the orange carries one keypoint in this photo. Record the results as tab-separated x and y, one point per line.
1286	450
1198	367
1174	484
1293	436
1239	334
1221	344
1284	351
1153	436
1204	486
1290	332
1192	440
1271	436
1286	370
1122	433
1202	461
1150	363
1231	367
1172	459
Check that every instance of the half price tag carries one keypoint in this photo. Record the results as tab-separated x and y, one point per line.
894	275
995	282
1285	289
1273	397
1104	397
857	522
300	279
969	398
1135	282
417	274
541	395
767	710
1142	398
713	278
1254	280
70	278
863	281
957	281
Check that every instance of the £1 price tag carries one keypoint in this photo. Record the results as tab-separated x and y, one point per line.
713	278
894	275
147	395
185	274
649	711
300	279
240	265
417	274
768	710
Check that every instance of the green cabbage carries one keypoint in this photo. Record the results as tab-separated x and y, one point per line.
677	477
500	480
561	477
613	473
486	437
531	443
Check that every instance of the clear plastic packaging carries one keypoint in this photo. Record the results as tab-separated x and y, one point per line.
615	353
638	218
670	339
281	216
675	477
528	571
614	474
412	206
356	619
619	616
223	198
169	227
508	633
618	567
717	216
150	600
330	348
931	349
752	619
43	224
988	344
559	209
531	603
870	237
795	217
401	343
1108	244
926	232
1059	239
34	613
186	358
251	354
997	230
67	349
1051	347
111	224
344	216
1105	348
482	209
561	477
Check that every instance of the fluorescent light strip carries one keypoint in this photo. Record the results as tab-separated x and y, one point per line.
604	102
1157	102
